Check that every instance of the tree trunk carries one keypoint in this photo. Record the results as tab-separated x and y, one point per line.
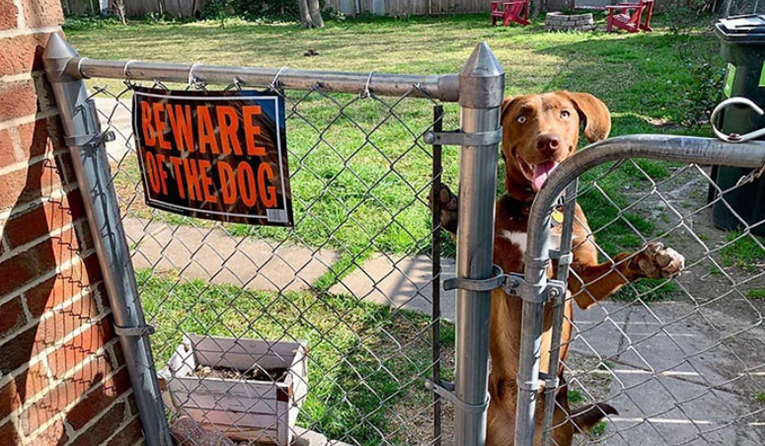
305	16
315	11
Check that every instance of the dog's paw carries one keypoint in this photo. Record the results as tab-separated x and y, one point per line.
659	262
449	206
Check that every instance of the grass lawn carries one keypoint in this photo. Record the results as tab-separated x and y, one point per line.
361	175
351	158
366	365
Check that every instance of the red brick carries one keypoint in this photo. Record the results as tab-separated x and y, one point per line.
29	343
56	326
33	182
103	429
8	433
18	99
12	317
16	353
7	154
55	435
43	13
81	347
129	434
23	387
69	391
27	265
56	290
98	400
23	228
8	14
22	54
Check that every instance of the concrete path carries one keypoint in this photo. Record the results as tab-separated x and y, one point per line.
672	376
215	256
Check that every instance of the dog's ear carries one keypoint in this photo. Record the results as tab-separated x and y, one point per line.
594	113
505	108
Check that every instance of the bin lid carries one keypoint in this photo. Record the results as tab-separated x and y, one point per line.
742	29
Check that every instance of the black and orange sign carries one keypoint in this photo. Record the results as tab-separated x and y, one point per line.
219	155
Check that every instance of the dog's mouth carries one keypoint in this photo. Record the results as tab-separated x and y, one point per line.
537	173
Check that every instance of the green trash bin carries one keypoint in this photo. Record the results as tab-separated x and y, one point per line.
743	46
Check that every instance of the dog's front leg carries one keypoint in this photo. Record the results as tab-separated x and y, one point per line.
594	282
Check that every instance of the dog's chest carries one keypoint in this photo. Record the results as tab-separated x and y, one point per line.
519	238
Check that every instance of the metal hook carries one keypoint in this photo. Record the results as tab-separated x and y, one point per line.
735	137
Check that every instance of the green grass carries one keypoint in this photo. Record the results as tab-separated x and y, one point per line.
744	251
755	293
575	397
760	397
598	430
359	354
362	186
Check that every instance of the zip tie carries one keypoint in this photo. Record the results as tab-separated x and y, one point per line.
125	69
192	79
274	85
366	93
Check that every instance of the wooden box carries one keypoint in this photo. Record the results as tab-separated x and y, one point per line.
242	409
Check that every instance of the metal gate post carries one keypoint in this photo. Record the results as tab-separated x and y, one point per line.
482	83
87	145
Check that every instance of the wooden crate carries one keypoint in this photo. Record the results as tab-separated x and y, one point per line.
261	411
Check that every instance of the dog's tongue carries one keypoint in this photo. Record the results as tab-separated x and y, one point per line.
541	172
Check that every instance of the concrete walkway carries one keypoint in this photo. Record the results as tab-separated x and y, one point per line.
671	376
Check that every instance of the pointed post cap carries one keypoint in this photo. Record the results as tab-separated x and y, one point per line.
482	79
56	58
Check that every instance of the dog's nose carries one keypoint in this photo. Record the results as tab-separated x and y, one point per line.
547	143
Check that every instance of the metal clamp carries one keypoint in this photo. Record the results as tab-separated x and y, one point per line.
143	330
492	283
459	138
735	137
92	139
445	390
516	285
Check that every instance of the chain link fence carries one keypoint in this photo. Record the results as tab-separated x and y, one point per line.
681	359
344	301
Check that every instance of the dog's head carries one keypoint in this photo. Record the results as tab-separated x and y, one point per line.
542	130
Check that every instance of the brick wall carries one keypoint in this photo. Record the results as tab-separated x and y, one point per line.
62	377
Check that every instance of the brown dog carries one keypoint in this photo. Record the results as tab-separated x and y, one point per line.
540	131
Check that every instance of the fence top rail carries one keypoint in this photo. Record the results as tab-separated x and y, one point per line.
442	87
683	149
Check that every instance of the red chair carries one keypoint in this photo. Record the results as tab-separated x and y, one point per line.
515	11
630	22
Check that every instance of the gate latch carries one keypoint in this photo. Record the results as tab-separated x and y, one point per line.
445	390
514	284
459	138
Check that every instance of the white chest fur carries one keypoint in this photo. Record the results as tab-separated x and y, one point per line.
519	238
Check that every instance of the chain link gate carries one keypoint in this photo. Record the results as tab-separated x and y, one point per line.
681	359
352	292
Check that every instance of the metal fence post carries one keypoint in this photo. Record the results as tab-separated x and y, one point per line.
86	143
482	83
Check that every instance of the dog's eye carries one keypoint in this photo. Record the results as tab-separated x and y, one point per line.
565	114
520	119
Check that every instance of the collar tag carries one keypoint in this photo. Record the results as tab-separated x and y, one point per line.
557	218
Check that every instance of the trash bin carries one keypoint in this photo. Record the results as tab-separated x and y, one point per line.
743	46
